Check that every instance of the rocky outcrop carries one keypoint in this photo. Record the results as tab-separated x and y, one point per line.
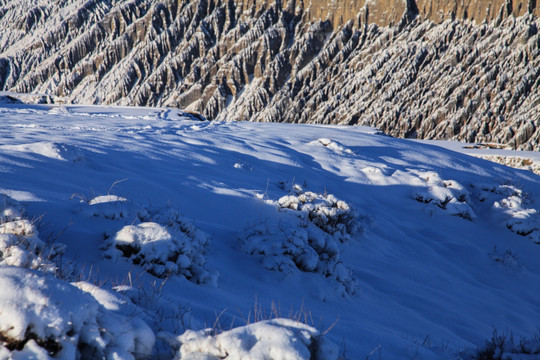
430	74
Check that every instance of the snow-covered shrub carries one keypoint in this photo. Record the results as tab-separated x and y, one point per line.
277	339
290	244
308	238
448	195
161	240
514	206
333	216
521	219
20	244
175	248
42	317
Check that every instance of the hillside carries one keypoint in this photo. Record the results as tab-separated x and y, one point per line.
430	70
151	226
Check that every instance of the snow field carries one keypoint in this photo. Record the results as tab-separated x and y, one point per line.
399	240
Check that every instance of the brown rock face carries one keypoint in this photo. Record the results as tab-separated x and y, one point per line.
390	12
272	61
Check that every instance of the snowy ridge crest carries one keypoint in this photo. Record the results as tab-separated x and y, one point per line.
419	78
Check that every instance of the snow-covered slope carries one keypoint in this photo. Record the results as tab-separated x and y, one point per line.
383	248
275	62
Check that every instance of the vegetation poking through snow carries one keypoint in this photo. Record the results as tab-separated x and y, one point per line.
515	207
164	244
448	195
331	215
21	246
507	258
309	240
504	347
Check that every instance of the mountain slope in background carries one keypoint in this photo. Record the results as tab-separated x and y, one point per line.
423	72
156	224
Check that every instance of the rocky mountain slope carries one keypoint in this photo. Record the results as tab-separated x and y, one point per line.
463	70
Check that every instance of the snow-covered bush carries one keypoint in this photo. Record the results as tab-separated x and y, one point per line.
277	339
291	244
521	219
333	216
307	238
42	317
448	195
515	207
160	240
20	244
173	247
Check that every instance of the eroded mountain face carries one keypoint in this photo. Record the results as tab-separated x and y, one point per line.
412	69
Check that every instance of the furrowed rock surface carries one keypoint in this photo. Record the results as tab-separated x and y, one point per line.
437	70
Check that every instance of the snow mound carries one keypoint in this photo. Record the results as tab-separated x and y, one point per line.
276	339
448	195
106	199
175	248
110	207
21	246
42	317
48	149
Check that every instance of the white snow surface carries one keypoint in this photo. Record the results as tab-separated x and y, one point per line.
391	248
